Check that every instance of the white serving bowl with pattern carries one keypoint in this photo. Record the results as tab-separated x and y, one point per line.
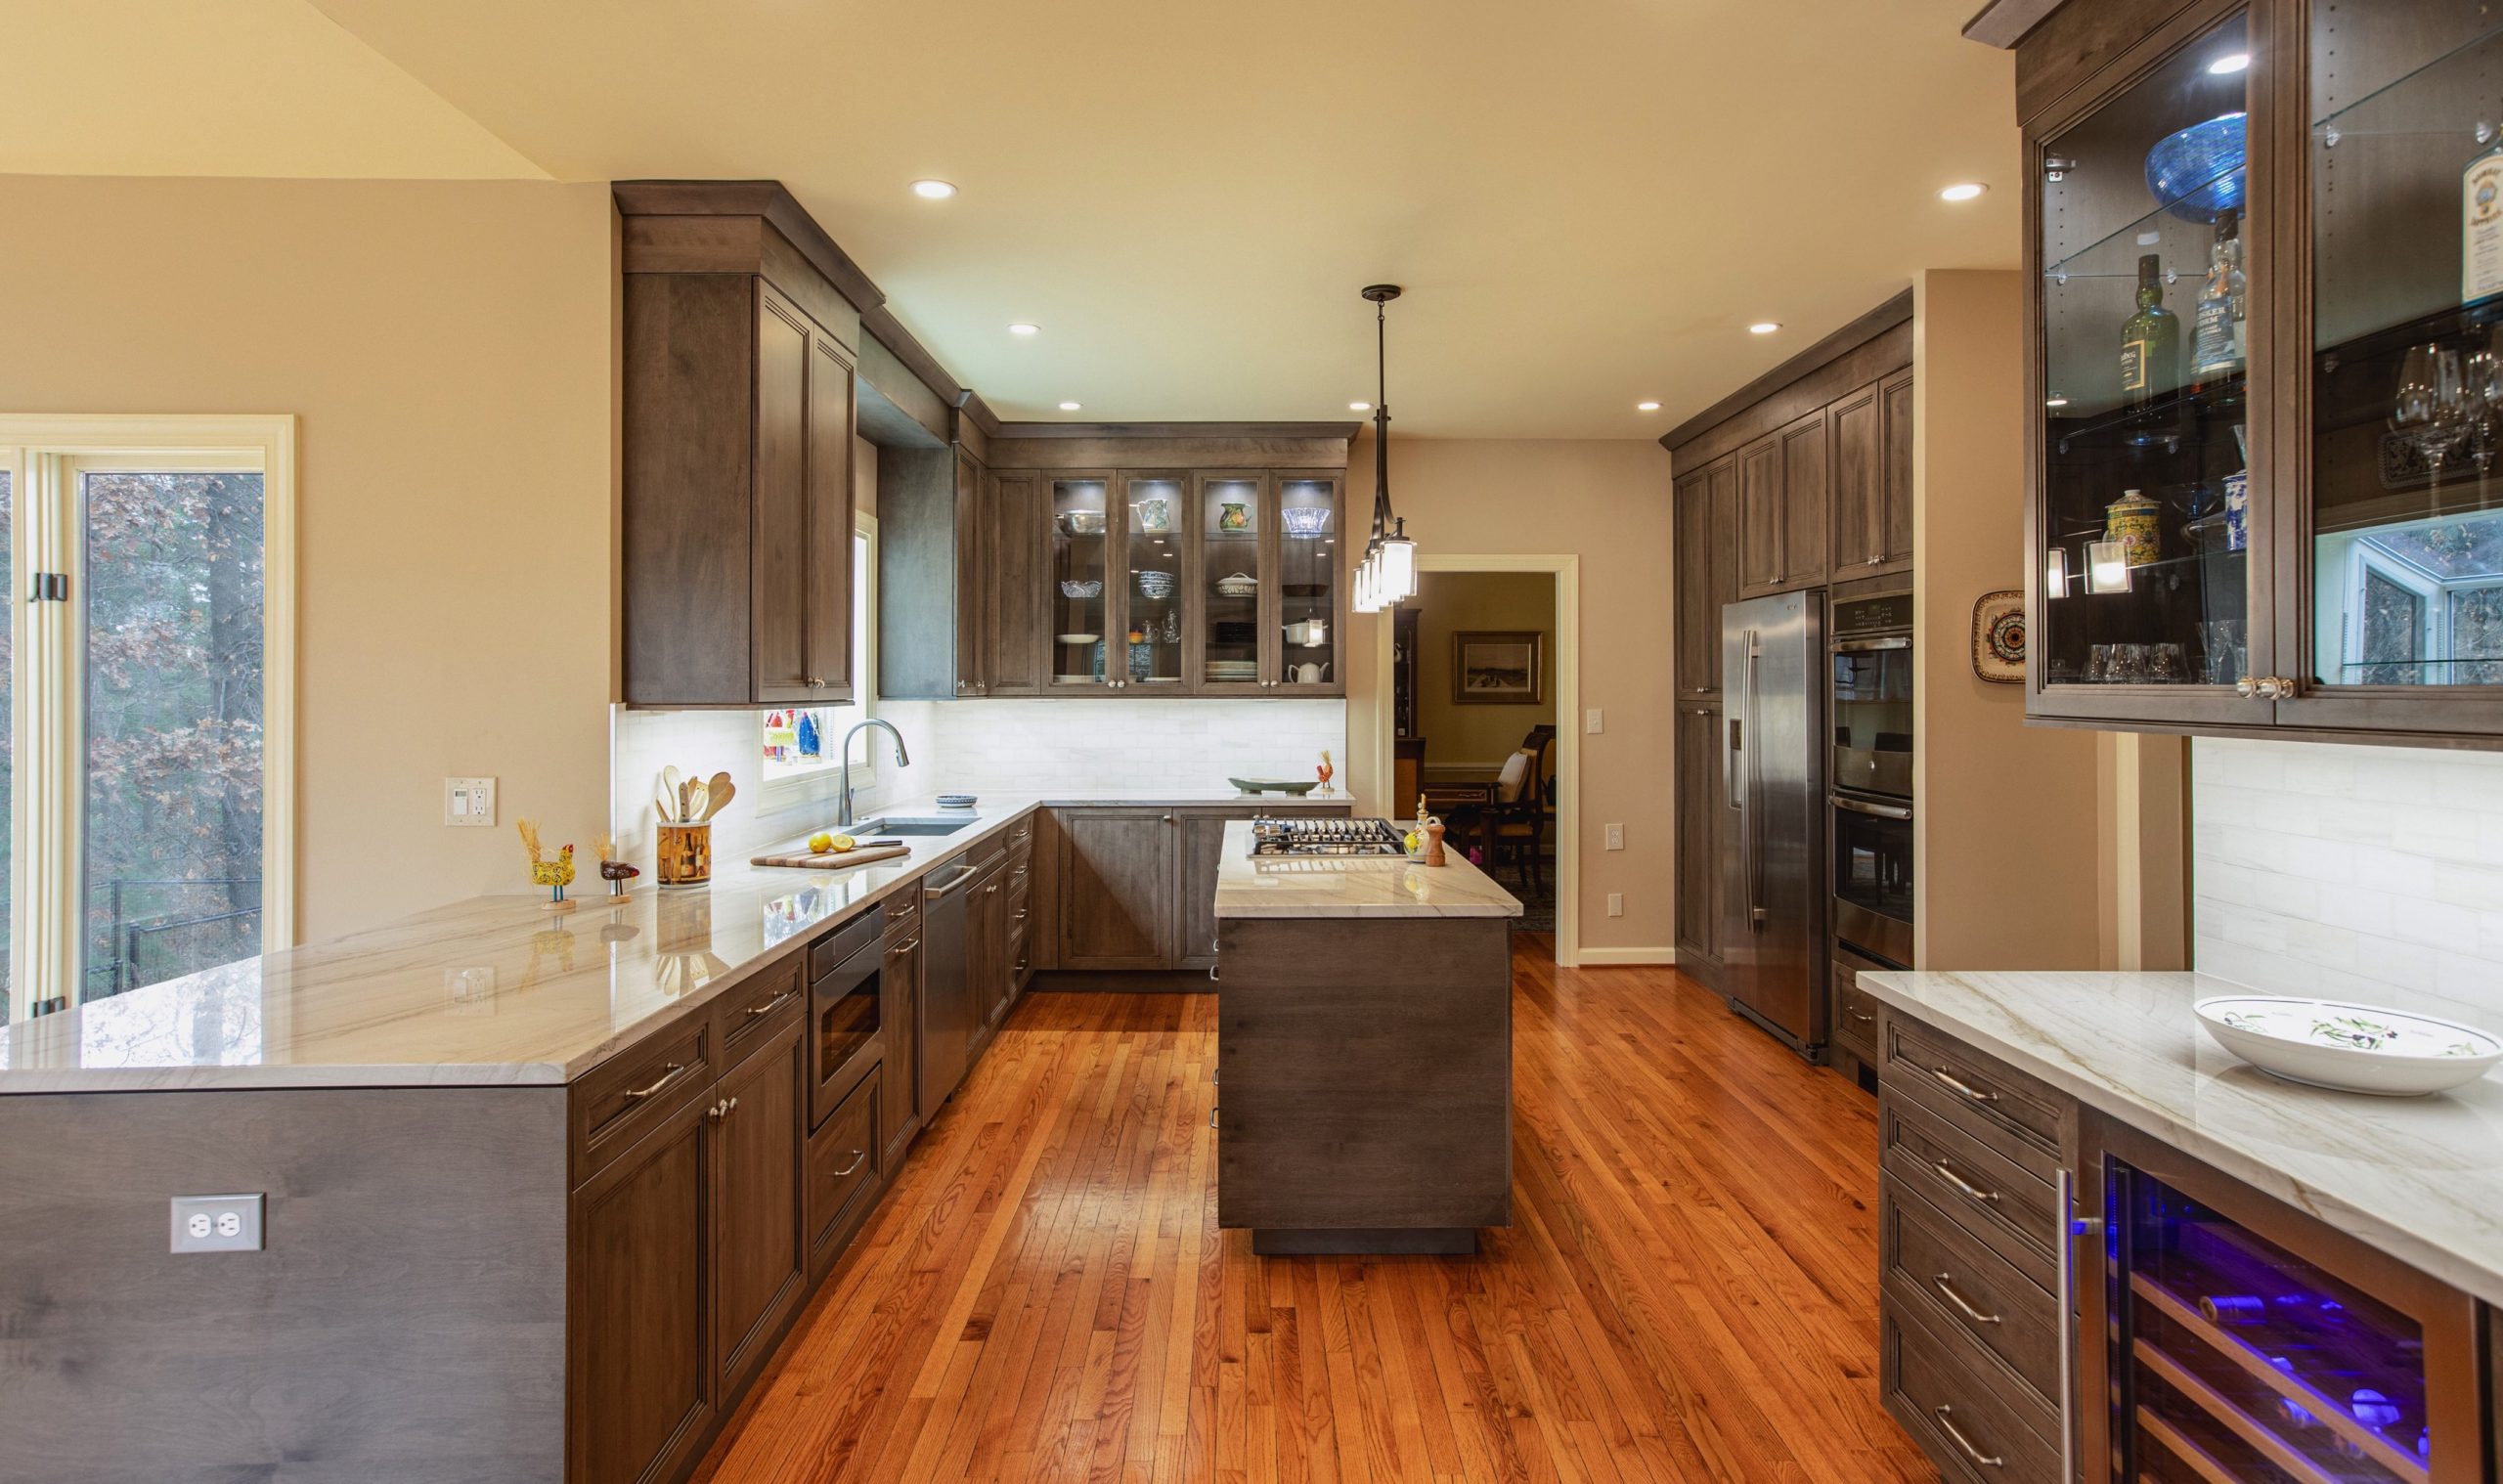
2349	1047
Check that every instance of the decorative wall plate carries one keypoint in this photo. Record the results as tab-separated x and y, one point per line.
1999	638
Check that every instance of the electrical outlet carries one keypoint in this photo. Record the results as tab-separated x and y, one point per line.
217	1223
1591	722
1616	903
469	802
1616	837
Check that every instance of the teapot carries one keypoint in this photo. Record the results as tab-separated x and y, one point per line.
1308	673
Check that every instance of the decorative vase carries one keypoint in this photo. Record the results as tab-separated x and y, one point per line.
1234	516
685	854
2134	520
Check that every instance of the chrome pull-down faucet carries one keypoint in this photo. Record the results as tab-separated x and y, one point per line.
843	808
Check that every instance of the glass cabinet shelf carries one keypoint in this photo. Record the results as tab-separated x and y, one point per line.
2427	102
2180	242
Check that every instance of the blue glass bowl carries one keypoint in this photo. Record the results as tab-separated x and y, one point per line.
2203	165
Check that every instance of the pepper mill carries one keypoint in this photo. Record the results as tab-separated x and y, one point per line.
1433	854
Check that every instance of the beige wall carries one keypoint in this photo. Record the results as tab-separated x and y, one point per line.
1607	502
448	349
2008	843
1448	603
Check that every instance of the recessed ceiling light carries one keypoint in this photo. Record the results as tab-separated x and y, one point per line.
1764	326
1025	329
1069	407
933	189
1964	190
2231	62
1360	407
1646	406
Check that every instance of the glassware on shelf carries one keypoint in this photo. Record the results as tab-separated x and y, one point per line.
1080	562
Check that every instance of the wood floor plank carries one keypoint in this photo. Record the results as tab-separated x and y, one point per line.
1687	1290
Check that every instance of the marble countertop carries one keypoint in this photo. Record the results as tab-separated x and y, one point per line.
1351	886
492	990
2418	1178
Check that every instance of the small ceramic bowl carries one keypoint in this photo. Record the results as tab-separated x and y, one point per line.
2353	1048
1306	520
1083	522
1080	590
1156	584
1238	585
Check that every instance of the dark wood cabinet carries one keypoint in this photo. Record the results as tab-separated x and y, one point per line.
1707	535
1697	743
899	1023
1117	888
1016	641
1894	510
1758	528
1859	483
986	957
736	534
1805	495
760	1234
641	1395
1202	844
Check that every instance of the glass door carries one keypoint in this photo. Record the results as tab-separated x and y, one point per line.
1082	606
2151	570
1229	580
1156	604
2401	532
1308	619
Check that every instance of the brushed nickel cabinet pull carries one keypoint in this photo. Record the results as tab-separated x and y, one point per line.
1962	1088
1961	1183
755	1012
1945	1284
1861	1015
668	1075
858	1156
1212	1116
715	1112
1945	1419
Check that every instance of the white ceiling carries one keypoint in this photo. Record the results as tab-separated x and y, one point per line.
1588	200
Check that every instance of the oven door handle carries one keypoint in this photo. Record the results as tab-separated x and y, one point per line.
1870	647
1862	806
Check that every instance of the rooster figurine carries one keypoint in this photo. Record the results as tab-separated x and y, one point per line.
556	875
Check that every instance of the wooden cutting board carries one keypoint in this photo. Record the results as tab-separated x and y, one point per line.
832	862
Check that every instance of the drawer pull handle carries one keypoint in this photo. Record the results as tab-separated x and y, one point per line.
755	1012
1945	1419
1945	1284
1212	1116
669	1075
1946	1172
1861	1015
1962	1088
904	947
858	1156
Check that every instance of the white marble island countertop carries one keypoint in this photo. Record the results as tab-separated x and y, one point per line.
1351	886
492	990
2419	1178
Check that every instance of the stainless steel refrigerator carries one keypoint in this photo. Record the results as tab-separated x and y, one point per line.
1772	752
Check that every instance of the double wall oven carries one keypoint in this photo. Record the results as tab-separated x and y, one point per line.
1870	776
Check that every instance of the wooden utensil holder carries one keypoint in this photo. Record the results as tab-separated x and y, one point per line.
685	854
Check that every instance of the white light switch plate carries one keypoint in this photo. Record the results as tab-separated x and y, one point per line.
1616	903
217	1223
469	802
1591	722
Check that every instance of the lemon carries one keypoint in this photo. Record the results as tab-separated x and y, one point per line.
843	842
820	843
1415	842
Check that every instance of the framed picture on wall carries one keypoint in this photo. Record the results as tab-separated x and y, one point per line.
1498	668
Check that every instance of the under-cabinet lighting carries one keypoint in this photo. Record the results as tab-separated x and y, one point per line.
2231	62
2055	573
2107	566
1962	190
933	189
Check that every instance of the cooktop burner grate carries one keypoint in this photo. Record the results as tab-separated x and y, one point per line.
1289	836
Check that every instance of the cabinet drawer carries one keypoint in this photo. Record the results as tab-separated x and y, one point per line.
1021	868
1964	1421
746	1014
1022	834
1983	1096
1856	1015
843	1157
827	953
904	913
1977	1187
615	1104
1971	1290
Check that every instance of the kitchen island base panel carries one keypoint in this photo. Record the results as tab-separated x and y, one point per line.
1409	1242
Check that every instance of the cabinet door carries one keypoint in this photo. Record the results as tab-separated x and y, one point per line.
899	1023
971	526
1309	590
1203	839
1158	609
760	1236
639	1307
1084	584
1233	589
1895	513
1116	889
1698	839
1807	495
1859	483
779	595
827	615
1721	478
990	919
1760	512
1016	647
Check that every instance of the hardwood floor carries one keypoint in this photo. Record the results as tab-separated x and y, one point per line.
1687	1289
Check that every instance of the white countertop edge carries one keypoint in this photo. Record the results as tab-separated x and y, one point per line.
2470	1261
1344	887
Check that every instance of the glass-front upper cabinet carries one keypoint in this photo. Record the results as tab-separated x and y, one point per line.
2400	527
1151	595
1080	564
1230	584
1309	585
2151	571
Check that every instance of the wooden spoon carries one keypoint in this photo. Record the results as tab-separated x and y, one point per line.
694	798
663	805
670	778
723	791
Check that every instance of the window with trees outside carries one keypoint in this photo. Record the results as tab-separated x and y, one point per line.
148	701
800	742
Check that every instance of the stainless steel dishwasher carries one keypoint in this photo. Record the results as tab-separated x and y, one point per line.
948	1015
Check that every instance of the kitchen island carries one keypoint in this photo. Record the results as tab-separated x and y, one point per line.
1364	1051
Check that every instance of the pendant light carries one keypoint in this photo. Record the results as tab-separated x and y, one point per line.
1388	576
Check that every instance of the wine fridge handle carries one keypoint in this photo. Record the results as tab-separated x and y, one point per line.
2071	1227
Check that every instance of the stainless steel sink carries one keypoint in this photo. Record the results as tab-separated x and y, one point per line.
904	825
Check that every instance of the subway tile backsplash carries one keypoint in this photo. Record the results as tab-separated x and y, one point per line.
2364	872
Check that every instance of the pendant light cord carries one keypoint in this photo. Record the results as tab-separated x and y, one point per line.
1382	516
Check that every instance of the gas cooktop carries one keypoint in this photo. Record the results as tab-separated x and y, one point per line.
1325	837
